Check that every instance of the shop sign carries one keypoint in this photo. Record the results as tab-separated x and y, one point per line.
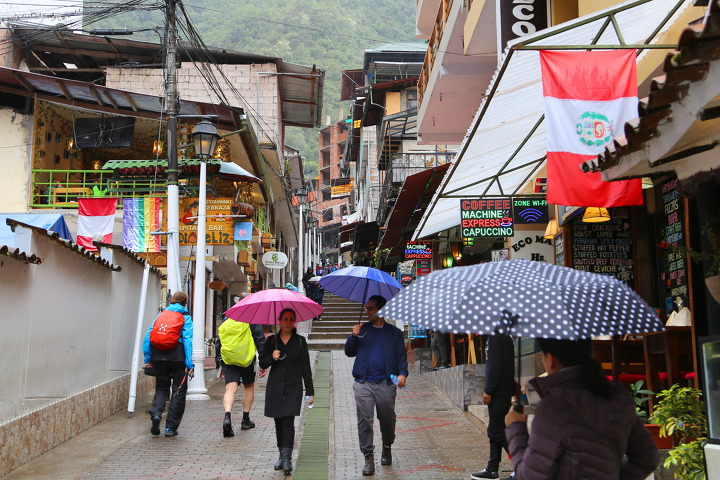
219	224
418	250
423	267
274	260
519	18
530	210
672	260
486	217
500	254
243	231
531	245
217	285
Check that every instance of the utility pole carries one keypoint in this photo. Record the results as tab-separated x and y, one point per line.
171	100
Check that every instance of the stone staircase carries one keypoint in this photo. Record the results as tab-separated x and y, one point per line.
338	318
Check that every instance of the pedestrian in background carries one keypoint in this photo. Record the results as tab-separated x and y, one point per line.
379	351
497	395
441	349
238	364
172	364
585	426
286	354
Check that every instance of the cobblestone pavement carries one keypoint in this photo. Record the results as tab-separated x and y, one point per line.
434	440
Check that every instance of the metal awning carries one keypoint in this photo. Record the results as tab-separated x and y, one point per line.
410	205
505	145
215	166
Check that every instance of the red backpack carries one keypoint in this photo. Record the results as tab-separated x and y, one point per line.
165	333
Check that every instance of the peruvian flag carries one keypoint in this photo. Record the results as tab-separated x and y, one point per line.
96	216
588	98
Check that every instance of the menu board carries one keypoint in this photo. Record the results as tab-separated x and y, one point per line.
672	266
604	247
560	249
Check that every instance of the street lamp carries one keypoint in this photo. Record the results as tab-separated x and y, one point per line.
312	223
301	196
205	137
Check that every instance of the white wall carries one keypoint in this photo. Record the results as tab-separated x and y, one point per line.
68	323
15	161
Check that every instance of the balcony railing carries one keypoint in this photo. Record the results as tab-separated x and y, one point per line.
433	47
61	188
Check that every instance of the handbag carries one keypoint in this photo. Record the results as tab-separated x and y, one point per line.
150	371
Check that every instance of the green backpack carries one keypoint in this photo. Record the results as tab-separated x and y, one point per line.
238	345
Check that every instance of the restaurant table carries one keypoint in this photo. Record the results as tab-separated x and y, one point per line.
68	193
625	357
668	355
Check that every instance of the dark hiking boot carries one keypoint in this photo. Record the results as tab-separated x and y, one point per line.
169	432
155	428
279	463
386	457
286	455
484	474
247	424
227	426
369	468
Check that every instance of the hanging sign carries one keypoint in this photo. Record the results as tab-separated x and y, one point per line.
274	260
217	285
218	227
518	18
418	250
530	210
486	217
243	231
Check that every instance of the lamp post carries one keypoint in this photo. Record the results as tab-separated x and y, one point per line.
301	196
313	222
205	137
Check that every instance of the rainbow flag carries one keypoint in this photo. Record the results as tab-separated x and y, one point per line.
140	217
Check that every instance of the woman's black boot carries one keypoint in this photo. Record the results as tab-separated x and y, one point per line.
286	460
279	463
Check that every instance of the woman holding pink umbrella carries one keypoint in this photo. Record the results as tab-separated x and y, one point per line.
286	354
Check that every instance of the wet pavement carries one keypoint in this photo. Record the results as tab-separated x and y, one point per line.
435	440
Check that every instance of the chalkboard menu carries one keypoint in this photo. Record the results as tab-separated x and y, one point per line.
672	265
604	247
560	249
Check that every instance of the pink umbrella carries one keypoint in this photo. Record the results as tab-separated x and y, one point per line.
264	307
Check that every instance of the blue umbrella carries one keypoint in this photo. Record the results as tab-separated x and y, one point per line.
357	284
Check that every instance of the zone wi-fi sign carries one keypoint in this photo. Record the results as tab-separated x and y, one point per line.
530	210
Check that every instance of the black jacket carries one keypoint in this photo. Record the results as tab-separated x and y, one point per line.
500	366
284	393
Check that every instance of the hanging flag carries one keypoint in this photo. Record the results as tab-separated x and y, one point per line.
96	216
588	98
140	217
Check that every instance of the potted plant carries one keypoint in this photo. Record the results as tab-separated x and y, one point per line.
681	416
641	397
243	256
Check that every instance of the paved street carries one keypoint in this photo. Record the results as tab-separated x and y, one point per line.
435	440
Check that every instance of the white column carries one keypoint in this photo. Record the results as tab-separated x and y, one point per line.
173	227
196	386
301	258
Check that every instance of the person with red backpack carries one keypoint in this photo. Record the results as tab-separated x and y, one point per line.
168	350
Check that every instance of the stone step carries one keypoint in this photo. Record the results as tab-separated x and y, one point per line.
323	344
331	329
328	335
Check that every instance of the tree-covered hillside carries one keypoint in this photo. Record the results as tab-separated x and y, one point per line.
331	34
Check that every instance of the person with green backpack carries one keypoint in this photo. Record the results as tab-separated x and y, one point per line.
235	350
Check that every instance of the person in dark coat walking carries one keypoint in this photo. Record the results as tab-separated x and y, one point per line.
499	389
286	354
585	426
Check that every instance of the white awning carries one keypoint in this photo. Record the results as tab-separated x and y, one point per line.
505	145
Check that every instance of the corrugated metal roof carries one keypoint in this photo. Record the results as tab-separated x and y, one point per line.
301	94
505	144
399	47
681	116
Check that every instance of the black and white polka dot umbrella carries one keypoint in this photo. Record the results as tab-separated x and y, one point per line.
523	298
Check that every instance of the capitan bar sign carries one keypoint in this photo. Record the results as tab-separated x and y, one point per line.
418	250
486	217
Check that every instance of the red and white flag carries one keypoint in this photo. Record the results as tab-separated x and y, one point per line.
96	216
588	98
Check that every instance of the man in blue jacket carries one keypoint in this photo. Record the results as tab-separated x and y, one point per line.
379	351
173	367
